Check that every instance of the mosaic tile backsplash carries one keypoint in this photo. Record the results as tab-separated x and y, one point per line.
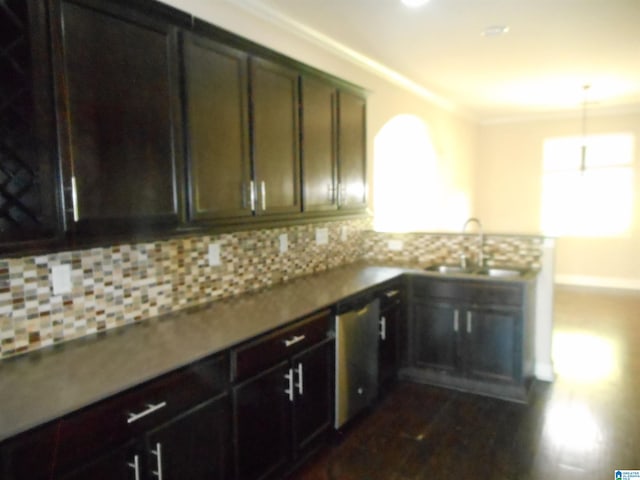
123	284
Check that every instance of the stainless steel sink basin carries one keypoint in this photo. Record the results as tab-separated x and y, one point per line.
500	272
446	269
504	272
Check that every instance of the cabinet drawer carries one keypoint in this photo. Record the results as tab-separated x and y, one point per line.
265	351
113	421
470	293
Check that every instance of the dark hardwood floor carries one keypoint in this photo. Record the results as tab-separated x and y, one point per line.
584	425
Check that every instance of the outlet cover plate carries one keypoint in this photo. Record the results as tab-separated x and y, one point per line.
214	255
322	236
61	279
284	242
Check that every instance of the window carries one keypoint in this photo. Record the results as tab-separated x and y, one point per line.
588	198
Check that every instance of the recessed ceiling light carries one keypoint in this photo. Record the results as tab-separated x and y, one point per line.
495	30
414	3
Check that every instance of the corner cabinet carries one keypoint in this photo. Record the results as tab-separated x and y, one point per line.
282	397
119	111
472	335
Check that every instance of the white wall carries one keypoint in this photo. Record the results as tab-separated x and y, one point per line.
508	189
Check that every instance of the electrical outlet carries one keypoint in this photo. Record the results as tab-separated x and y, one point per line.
322	236
61	279
395	245
284	242
214	255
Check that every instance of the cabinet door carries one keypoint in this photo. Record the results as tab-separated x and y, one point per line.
491	346
216	83
28	206
194	445
313	382
390	319
352	156
120	113
434	336
119	464
318	145
262	416
276	156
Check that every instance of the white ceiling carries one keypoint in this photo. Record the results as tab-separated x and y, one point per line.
553	48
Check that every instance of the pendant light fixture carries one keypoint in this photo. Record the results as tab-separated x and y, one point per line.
583	149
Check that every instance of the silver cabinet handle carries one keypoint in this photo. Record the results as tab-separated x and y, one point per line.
391	293
252	195
263	191
456	320
383	328
294	340
289	390
133	417
469	323
331	193
300	383
136	466
74	198
158	453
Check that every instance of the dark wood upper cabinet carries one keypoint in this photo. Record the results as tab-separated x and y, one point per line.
217	116
276	130
319	161
28	207
120	117
352	176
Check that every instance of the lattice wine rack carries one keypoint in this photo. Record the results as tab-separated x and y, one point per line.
20	204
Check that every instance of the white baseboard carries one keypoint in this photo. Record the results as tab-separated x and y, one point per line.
598	282
544	372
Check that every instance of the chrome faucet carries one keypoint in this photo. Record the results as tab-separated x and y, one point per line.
480	238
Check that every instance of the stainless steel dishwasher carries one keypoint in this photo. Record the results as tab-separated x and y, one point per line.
356	359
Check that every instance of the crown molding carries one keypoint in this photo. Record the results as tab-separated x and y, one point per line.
290	25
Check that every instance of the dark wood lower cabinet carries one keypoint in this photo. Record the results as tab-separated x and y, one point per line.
389	345
281	413
435	336
313	406
262	418
195	445
474	336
